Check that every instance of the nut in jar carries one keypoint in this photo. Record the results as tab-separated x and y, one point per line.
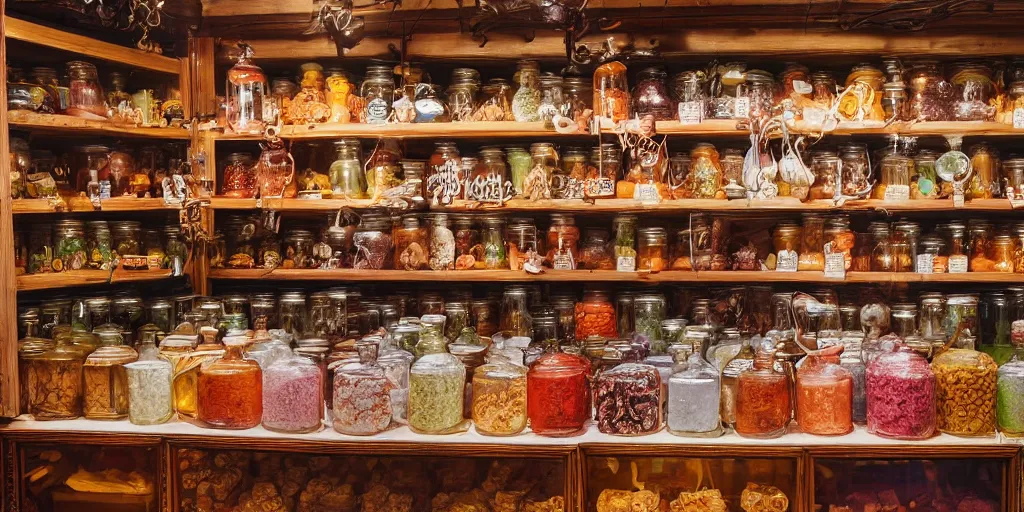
965	385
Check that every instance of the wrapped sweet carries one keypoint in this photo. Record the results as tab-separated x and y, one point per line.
763	498
707	500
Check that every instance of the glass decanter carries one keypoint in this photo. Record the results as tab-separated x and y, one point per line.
763	407
694	396
230	390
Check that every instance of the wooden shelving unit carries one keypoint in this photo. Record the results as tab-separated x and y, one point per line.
76	205
51	123
57	280
605	276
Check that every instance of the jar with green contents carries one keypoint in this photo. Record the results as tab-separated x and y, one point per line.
437	382
346	172
648	313
493	240
520	162
127	237
40	251
625	242
174	247
98	242
69	237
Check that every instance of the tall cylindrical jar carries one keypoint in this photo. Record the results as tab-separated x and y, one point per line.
106	382
437	382
965	392
149	391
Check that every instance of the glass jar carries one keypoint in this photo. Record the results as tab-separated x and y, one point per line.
571	172
595	315
85	96
499	395
149	391
973	92
537	184
562	237
493	241
694	395
293	316
373	243
382	169
456	319
965	392
521	239
126	313
824	390
230	390
900	395
462	93
649	311
759	88
21	161
292	395
436	389
812	243
70	249
985	162
578	96
706	174
378	91
689	89
298	249
786	240
98	244
466	238
515	315
520	162
348	181
825	166
246	92
106	382
611	92
894	184
558	394
625	242
484	316
635	387
526	100
653	249
931	97
1013	174
411	246
362	397
446	159
763	407
1002	253
852	360
496	104
604	169
126	236
1010	387
552	102
54	382
650	97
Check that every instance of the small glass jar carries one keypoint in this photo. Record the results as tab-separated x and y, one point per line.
824	391
604	169
639	386
70	245
294	319
526	100
595	315
578	96
985	162
54	382
825	166
499	396
298	249
689	87
437	383
373	243
411	244
466	238
456	316
649	310
85	97
445	158
378	91
558	394
537	183
895	174
786	240
625	242
973	92
1002	253
230	390
292	395
552	102
21	161
856	169
126	313
515	315
650	97
759	88
611	92
595	252
484	316
492	237
496	104
462	92
127	237
98	244
106	382
653	249
965	392
348	180
521	238
562	239
812	243
900	395
705	178
520	162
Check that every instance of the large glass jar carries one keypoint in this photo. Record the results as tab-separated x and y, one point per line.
348	181
85	97
436	388
595	315
149	391
362	403
965	392
378	91
246	92
973	91
373	243
411	245
705	178
900	395
499	395
515	315
492	237
231	390
611	92
106	382
985	162
292	395
824	394
70	249
526	100
520	162
558	394
763	407
650	97
694	395
652	254
562	237
627	400
54	382
1010	387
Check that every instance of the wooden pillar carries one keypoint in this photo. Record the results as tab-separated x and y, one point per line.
8	283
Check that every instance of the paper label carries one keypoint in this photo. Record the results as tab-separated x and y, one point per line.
741	108
1018	118
312	194
104	190
835	265
897	193
958	264
691	112
626	264
564	262
646	193
599	187
802	87
814	116
786	261
925	263
376	111
958	200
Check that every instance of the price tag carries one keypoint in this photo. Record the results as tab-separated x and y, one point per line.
646	193
1018	118
897	193
835	265
801	87
787	261
741	108
958	194
626	264
691	112
925	263
958	264
564	262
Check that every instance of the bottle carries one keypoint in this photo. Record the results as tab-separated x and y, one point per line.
763	407
230	390
1010	386
824	403
293	395
558	394
739	363
436	386
362	402
694	395
499	395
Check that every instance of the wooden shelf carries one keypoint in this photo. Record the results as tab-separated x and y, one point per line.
42	35
707	128
54	280
77	205
294	205
51	123
606	276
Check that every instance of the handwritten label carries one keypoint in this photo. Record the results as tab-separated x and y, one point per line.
1018	118
564	187
691	112
490	189
958	264
897	193
925	263
599	187
446	184
646	193
958	201
786	261
741	108
835	265
625	264
377	111
564	262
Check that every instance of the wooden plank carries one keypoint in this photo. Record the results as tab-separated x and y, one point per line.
114	204
52	123
54	280
8	285
54	38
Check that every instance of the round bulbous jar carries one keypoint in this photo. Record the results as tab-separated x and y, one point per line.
230	390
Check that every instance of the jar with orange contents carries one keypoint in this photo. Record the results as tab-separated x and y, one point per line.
980	246
653	249
824	394
1002	253
786	242
595	315
812	244
562	239
838	233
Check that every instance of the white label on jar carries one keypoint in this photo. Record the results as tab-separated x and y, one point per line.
691	112
835	265
958	264
897	193
802	87
925	263
958	200
625	264
564	262
376	111
646	193
814	116
1018	118
741	108
787	261
104	190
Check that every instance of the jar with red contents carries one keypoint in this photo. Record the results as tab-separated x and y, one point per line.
231	390
239	176
651	95
563	236
558	394
595	315
85	97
